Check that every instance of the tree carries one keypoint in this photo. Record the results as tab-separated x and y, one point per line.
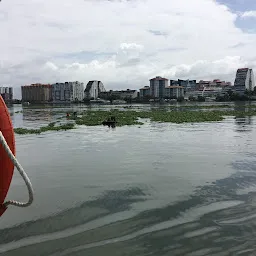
191	98
112	97
180	99
201	98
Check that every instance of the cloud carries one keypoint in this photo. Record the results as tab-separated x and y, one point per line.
237	45
158	33
122	43
249	14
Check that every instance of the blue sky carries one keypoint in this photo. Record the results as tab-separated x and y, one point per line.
249	24
126	43
239	5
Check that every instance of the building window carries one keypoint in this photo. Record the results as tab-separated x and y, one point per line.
67	95
57	95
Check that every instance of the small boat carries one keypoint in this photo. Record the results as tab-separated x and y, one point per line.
109	123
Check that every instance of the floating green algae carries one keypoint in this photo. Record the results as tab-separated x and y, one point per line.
132	117
49	127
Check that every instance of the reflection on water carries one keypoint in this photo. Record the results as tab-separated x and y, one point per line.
164	189
243	121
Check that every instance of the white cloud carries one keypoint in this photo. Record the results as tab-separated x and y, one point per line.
124	42
132	46
249	14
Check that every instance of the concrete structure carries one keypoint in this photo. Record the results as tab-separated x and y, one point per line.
174	91
227	89
215	83
188	85
244	80
145	92
7	94
206	92
67	92
123	94
157	87
93	89
78	91
36	93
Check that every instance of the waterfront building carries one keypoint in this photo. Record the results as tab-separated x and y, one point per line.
67	92
215	83
145	92
188	85
122	94
36	93
7	94
157	87
93	89
244	80
174	91
78	91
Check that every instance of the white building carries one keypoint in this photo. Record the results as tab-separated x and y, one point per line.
244	80
157	87
174	91
206	92
93	89
123	94
78	91
67	92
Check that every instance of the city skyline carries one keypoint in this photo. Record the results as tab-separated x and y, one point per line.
159	87
18	95
170	39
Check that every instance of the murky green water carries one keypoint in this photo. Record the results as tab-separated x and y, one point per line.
159	189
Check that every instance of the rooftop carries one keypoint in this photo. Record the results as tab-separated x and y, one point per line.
159	78
175	86
37	85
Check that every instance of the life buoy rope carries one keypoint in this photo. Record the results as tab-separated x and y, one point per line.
22	173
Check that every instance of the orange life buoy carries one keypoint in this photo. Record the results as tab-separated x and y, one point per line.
6	165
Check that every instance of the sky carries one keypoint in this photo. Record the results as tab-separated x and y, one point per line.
124	43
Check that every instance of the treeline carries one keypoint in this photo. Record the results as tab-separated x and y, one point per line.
233	96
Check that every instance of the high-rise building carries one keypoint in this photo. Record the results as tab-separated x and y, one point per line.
213	84
7	94
93	89
36	93
157	87
67	92
244	80
186	84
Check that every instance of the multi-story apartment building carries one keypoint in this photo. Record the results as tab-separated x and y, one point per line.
67	92
7	94
215	83
36	93
188	85
93	89
78	91
244	80
157	87
145	92
174	91
123	94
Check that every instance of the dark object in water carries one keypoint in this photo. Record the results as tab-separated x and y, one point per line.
110	122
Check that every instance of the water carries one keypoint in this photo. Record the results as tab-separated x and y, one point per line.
158	189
